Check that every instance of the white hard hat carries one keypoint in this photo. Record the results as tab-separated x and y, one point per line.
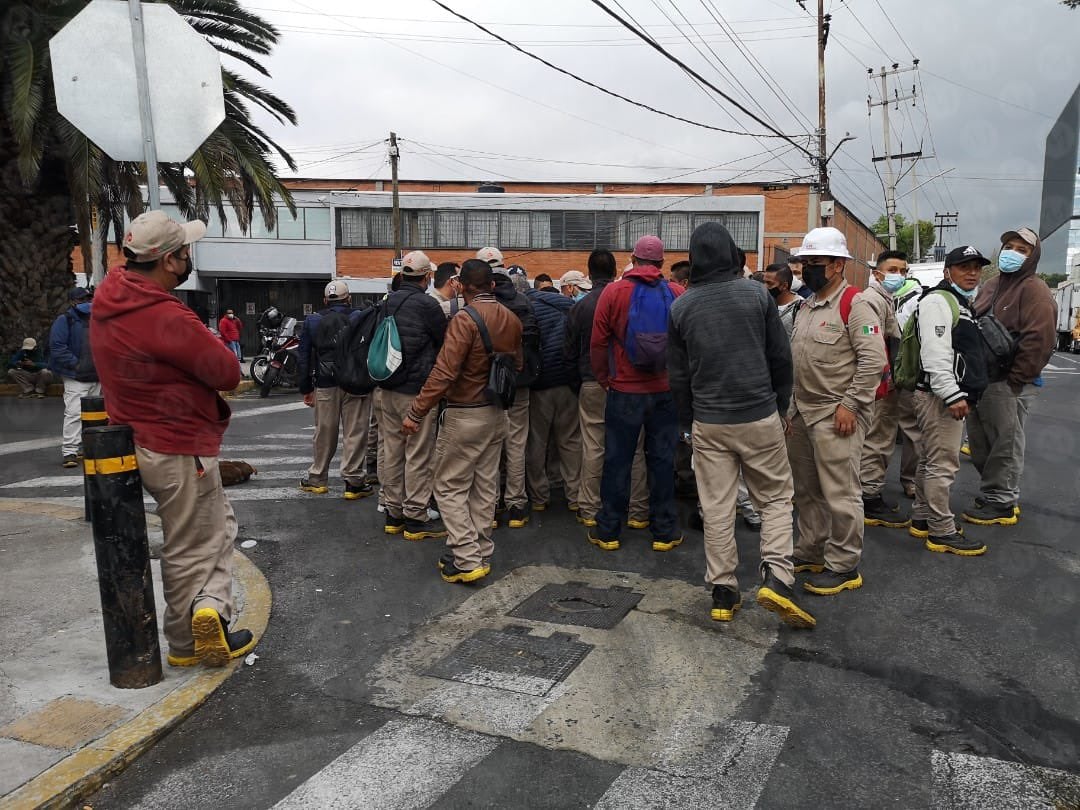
824	242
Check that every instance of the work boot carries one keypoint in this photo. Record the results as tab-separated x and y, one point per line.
991	514
451	573
354	492
215	646
424	529
393	525
448	559
70	461
775	596
802	566
315	488
829	583
725	602
978	502
606	545
956	544
921	529
540	506
879	512
518	517
585	520
638	523
666	545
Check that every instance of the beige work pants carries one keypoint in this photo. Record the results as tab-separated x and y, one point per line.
553	416
938	463
334	408
405	468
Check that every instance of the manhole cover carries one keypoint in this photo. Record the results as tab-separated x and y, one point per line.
512	660
577	603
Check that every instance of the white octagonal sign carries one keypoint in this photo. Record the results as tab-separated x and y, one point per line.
93	68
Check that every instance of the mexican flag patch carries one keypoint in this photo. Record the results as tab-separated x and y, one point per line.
871	330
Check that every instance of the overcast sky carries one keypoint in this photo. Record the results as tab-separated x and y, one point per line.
469	107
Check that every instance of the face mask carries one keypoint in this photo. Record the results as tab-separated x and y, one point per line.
814	276
188	267
579	295
796	284
969	294
892	282
1009	261
774	292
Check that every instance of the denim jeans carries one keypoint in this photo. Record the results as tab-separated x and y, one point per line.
234	347
624	417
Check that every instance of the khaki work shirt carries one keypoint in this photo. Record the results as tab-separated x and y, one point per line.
835	364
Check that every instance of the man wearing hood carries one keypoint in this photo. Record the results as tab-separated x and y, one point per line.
161	370
517	416
732	400
638	396
1022	302
71	359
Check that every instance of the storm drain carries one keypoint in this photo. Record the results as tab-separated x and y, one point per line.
576	603
512	660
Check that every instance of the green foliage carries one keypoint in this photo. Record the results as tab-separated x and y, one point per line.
233	167
1053	279
905	234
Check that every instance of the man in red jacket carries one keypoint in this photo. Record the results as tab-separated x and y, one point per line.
160	370
628	359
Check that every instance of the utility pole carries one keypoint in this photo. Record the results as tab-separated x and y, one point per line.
890	177
943	222
915	212
395	214
825	193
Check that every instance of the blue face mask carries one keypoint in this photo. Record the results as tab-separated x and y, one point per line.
969	294
579	295
892	282
1009	261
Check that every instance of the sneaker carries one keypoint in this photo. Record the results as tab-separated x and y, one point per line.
981	502
26	395
752	520
606	545
989	514
827	583
956	544
635	523
666	545
70	461
539	506
518	517
586	521
393	525
424	529
802	566
777	597
354	492
310	486
451	573
215	646
725	602
448	559
879	512
921	529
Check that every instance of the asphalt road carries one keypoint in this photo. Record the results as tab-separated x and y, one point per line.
943	682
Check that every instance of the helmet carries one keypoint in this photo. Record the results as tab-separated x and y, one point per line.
271	318
824	242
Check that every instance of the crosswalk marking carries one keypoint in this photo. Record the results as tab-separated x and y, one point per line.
965	782
404	765
730	773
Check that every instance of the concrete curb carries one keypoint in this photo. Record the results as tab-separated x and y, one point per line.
86	770
57	389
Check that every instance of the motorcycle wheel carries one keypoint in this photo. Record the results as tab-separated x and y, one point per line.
258	369
268	381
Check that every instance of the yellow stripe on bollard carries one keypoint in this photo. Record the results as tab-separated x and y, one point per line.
109	466
95	416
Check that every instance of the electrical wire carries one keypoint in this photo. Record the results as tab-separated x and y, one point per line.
895	29
873	39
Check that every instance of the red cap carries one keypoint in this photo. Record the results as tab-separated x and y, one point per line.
649	248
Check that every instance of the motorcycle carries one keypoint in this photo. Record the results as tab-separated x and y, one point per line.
279	363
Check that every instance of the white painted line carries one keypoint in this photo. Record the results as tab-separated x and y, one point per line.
62	481
405	765
965	782
730	773
232	450
1060	356
244	413
237	493
297	436
32	444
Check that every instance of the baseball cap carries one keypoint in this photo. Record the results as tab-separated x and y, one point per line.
336	291
1026	234
824	242
650	248
577	278
415	263
29	345
491	255
965	253
78	294
153	234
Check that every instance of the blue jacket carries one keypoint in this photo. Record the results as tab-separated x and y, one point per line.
551	310
65	342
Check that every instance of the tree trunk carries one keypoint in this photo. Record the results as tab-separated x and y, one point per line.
36	240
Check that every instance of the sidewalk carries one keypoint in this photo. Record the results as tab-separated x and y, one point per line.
10	389
64	729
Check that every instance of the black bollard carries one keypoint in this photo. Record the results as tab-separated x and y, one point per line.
93	415
123	557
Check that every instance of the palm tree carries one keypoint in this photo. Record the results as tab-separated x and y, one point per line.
52	177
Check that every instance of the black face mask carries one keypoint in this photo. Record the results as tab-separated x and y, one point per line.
813	276
775	292
188	267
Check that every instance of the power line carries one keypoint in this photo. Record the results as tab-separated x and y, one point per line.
596	86
896	31
686	68
873	39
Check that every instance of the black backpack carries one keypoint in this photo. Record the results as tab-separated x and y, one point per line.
502	376
332	326
351	354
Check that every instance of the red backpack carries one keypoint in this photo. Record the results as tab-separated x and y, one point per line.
886	384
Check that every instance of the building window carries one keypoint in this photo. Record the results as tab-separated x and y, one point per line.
482	228
450	229
382	231
418	228
540	228
610	230
258	229
675	231
514	230
579	230
288	227
641	225
352	227
743	227
316	223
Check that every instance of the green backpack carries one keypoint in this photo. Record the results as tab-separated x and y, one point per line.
908	366
385	358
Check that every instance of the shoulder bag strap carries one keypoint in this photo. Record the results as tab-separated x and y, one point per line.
485	338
